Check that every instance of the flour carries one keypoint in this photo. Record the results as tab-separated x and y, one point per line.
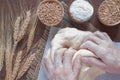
81	10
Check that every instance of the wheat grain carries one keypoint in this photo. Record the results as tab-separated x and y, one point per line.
25	66
24	26
16	66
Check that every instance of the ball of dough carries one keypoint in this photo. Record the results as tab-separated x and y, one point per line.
68	38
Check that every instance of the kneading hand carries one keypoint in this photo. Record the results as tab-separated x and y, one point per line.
62	67
102	46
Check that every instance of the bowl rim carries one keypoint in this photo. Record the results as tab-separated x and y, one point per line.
62	9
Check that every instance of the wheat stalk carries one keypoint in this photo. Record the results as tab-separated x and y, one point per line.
8	44
25	66
16	65
2	42
31	34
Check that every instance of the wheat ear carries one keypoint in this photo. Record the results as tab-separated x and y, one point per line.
16	65
25	66
16	30
24	26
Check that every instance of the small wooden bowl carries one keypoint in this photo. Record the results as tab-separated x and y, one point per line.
52	16
109	13
74	20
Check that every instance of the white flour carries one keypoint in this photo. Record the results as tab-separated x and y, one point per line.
81	10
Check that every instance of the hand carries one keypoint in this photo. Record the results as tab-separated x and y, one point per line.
102	46
62	67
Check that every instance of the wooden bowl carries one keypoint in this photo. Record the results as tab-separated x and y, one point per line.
50	12
109	12
75	20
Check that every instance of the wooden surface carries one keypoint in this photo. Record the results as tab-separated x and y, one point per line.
13	9
114	32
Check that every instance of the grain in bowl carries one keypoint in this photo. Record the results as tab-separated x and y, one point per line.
50	12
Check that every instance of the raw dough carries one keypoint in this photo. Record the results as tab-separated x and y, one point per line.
73	38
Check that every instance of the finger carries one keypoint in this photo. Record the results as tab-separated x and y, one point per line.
44	68
48	64
58	57
67	61
100	35
107	36
96	49
77	66
93	62
90	46
94	39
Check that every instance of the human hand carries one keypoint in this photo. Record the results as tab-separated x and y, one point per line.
62	67
102	46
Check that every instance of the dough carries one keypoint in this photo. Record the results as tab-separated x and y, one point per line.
73	38
68	37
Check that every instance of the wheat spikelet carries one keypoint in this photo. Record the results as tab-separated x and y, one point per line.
16	65
16	29
25	66
31	35
24	26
